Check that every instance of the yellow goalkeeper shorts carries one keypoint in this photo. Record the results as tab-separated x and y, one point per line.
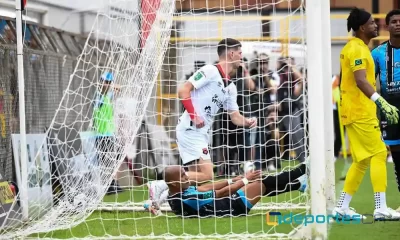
365	139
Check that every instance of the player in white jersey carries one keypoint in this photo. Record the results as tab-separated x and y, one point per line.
207	91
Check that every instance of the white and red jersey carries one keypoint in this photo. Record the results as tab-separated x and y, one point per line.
213	91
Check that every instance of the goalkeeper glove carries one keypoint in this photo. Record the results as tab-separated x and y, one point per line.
391	112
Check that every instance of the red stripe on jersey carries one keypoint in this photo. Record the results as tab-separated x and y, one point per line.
224	76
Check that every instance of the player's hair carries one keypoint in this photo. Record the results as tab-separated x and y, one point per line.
357	18
226	44
391	14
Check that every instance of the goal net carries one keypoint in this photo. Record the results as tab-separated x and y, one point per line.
114	130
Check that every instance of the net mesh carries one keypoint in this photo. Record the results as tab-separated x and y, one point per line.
82	176
132	47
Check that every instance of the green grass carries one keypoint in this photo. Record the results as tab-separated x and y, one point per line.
127	224
363	202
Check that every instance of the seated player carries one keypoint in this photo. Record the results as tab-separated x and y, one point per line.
233	197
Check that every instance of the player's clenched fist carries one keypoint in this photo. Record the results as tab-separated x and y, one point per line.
198	122
251	122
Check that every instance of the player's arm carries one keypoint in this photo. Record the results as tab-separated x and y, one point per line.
231	106
217	185
375	55
358	64
185	97
232	188
239	120
199	79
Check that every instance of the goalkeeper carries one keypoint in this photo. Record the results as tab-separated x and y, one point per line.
358	104
387	58
228	197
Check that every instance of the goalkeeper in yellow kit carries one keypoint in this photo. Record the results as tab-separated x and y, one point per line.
359	102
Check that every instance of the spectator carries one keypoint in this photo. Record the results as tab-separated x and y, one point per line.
272	143
290	110
336	122
238	138
197	66
263	101
104	126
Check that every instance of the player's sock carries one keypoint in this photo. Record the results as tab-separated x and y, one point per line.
380	200
344	201
163	197
379	178
284	182
156	188
396	162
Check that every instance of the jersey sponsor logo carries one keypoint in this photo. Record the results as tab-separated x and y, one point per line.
207	110
397	64
199	75
358	62
217	101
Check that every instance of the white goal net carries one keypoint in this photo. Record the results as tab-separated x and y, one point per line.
114	130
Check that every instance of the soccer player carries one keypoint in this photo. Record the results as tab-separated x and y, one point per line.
207	91
387	66
358	104
233	197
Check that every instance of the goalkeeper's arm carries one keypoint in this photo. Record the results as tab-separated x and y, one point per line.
390	112
218	185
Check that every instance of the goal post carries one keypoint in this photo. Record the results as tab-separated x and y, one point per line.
327	73
143	51
320	110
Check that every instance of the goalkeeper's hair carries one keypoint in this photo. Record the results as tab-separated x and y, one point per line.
391	14
357	18
226	44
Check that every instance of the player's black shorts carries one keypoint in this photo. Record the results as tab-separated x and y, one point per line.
235	205
390	133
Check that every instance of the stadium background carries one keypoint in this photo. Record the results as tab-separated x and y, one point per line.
66	22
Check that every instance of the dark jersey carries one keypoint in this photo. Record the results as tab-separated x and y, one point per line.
192	203
387	66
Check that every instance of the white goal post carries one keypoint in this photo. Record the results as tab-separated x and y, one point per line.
143	50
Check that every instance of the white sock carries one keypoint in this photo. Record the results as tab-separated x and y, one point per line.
380	200
163	197
344	201
163	185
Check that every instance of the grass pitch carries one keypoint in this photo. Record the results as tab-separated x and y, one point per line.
122	224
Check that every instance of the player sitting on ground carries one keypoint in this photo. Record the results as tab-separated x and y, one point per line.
388	54
228	198
205	93
359	101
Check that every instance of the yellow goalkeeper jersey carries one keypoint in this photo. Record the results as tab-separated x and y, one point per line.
355	106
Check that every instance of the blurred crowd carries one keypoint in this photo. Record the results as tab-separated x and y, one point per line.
275	98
